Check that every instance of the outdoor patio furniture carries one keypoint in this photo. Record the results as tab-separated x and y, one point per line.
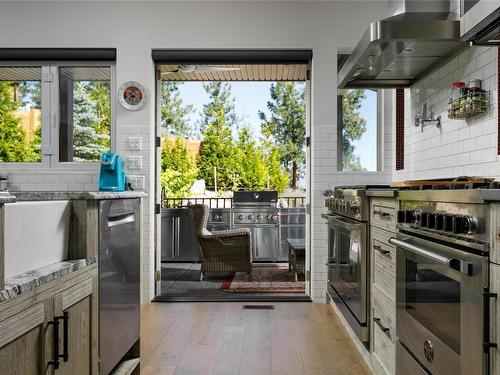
296	255
221	251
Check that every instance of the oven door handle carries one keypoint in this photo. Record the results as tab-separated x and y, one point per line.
344	224
456	264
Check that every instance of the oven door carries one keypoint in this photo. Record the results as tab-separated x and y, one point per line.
440	305
348	270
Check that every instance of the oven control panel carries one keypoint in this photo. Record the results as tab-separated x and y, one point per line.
255	217
440	221
345	206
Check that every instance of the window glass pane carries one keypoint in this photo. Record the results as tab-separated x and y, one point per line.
359	125
85	113
20	114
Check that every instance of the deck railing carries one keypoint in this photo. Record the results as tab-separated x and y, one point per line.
290	202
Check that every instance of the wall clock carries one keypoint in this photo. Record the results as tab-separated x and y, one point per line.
132	95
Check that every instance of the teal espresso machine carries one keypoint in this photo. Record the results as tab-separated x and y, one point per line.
112	177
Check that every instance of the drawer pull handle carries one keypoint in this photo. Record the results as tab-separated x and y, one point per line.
381	213
379	323
382	251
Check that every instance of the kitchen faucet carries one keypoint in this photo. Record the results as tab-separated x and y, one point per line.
423	119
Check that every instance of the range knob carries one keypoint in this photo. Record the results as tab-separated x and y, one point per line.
241	217
259	217
448	222
470	225
424	219
411	217
431	221
439	224
250	217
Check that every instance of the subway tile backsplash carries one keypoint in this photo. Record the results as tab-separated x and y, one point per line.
460	147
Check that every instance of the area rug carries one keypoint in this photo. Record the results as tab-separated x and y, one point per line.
269	279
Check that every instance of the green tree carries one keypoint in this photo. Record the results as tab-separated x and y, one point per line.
286	126
13	146
217	150
250	162
174	113
178	168
353	128
99	94
278	177
88	138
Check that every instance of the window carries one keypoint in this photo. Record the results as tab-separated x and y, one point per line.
20	114
358	130
84	113
52	115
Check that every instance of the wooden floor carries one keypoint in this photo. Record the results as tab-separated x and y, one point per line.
221	338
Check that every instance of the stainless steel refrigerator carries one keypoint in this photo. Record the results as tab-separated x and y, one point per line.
119	279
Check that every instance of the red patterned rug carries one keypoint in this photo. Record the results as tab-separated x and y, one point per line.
270	279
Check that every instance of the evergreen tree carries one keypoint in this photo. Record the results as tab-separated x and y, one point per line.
353	128
12	136
174	113
88	141
217	150
278	177
100	95
178	168
251	164
286	126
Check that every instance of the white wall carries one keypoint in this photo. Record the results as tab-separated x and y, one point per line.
134	29
460	147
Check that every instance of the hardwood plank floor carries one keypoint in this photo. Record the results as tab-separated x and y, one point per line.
223	339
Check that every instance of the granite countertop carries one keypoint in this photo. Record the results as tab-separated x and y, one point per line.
73	195
30	280
6	197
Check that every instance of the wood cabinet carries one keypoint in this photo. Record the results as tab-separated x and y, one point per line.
60	319
383	213
25	341
77	307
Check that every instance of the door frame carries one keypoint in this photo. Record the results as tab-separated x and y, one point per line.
308	183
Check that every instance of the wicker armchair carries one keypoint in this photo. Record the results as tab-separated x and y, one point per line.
221	251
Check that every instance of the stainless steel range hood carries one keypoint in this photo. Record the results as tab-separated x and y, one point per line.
399	50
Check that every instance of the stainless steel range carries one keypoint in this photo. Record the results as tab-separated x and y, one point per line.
348	255
257	211
443	282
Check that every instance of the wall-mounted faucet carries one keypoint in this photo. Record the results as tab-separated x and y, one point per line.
423	119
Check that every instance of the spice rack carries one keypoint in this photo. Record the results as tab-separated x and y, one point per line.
470	102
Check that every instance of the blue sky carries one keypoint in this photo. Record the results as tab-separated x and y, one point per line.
250	97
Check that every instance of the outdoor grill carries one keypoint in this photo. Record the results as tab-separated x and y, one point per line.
258	211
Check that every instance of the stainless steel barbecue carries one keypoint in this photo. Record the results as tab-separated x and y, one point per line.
257	211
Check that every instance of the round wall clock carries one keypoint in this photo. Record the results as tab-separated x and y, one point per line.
132	95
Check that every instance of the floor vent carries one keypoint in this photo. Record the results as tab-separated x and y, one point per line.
258	307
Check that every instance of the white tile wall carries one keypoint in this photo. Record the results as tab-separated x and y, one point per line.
460	147
325	176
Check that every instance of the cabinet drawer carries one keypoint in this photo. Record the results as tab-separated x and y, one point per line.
384	261
384	332
383	213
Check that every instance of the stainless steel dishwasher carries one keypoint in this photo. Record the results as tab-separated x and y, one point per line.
119	279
